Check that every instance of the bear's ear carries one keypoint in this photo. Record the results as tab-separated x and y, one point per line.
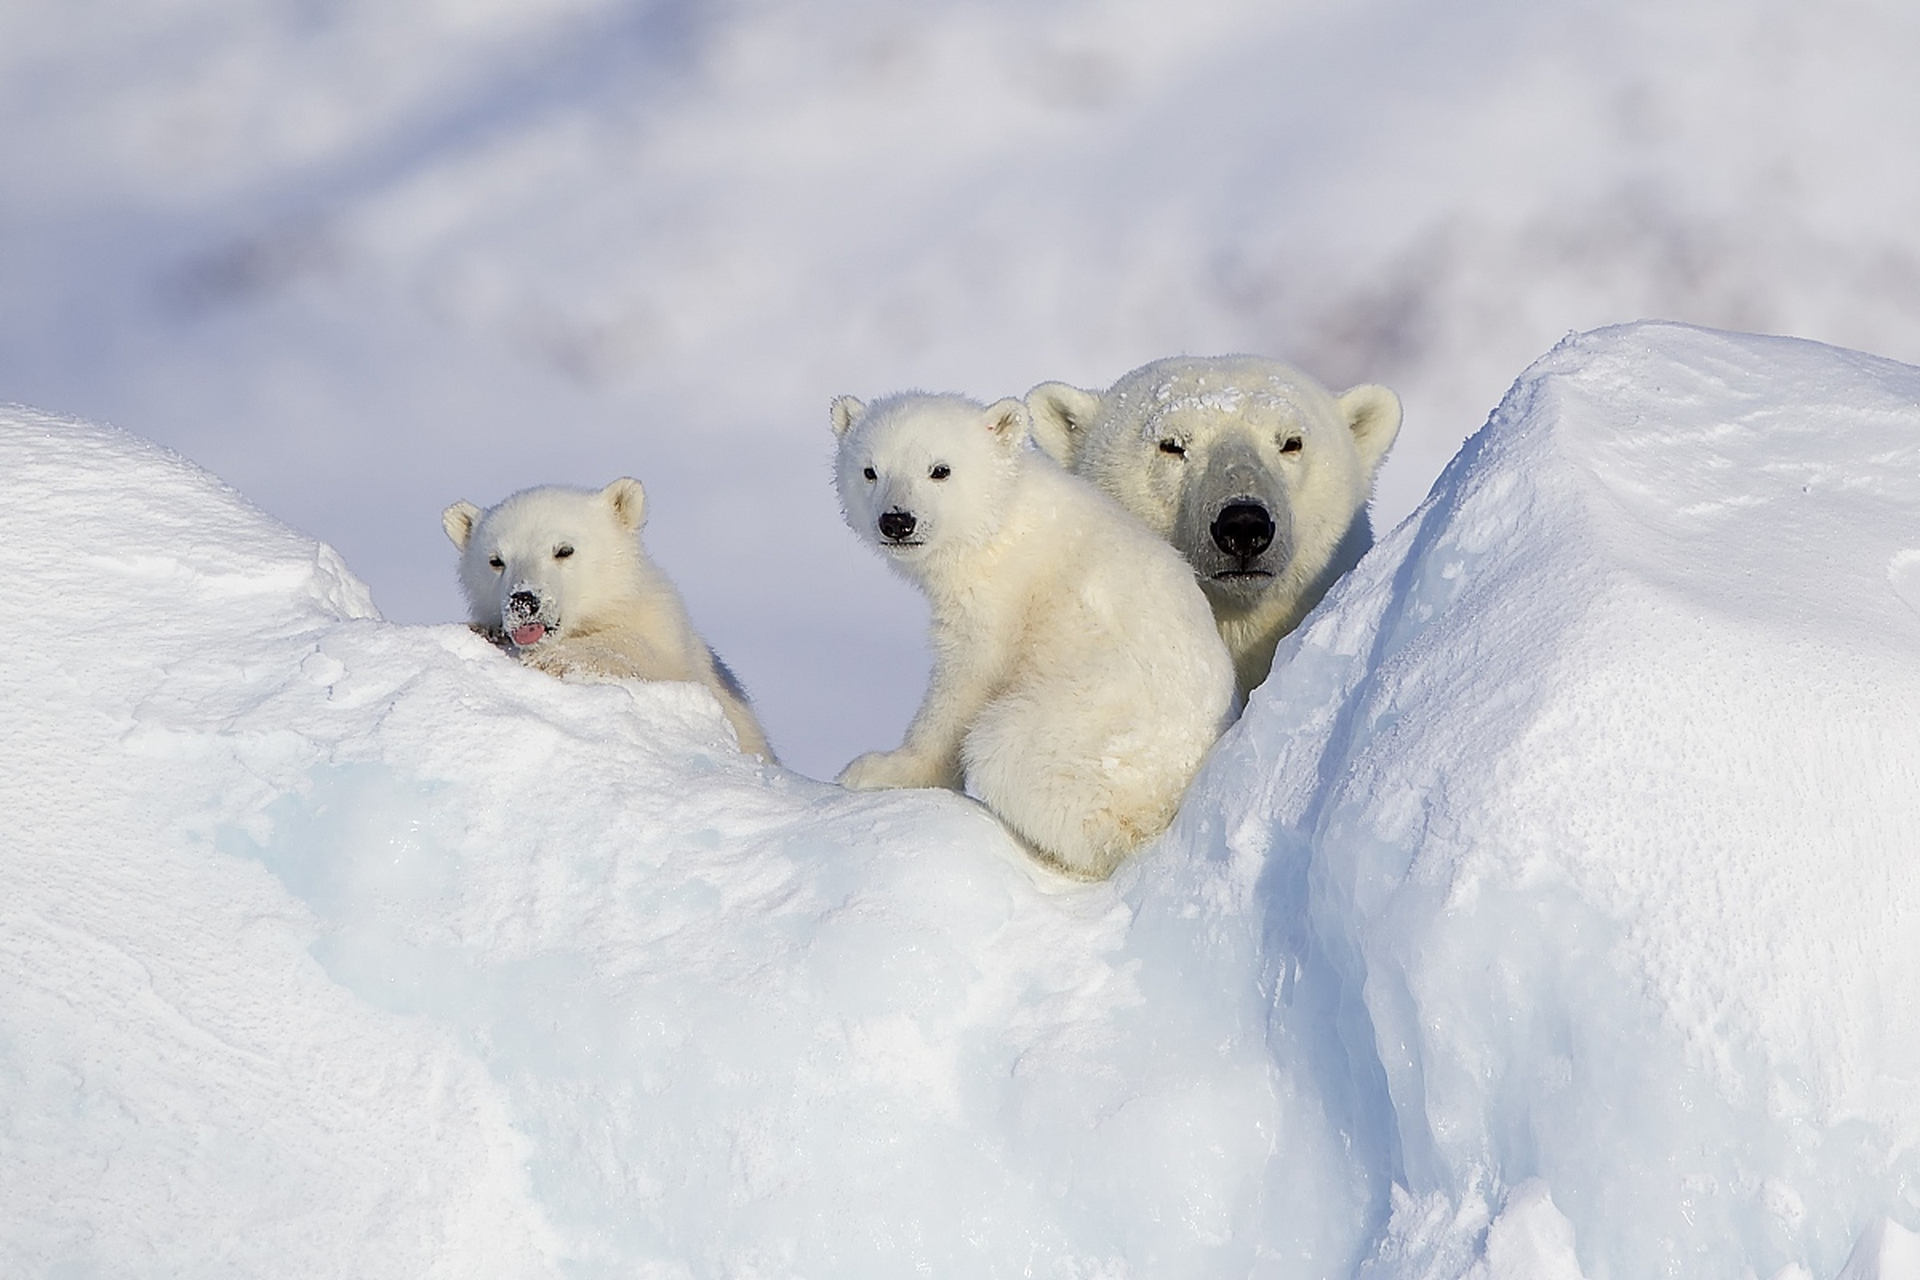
845	410
458	520
1008	421
1372	413
1060	413
629	502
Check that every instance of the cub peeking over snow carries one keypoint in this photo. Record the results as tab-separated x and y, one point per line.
1249	467
1078	679
560	577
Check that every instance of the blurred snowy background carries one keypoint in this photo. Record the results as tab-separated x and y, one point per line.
362	258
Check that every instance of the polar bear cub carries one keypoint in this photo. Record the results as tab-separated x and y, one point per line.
1078	679
560	577
1254	471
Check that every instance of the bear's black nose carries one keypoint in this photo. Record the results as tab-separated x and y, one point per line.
895	525
1243	529
523	604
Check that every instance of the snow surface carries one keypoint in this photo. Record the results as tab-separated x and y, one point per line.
362	259
1551	913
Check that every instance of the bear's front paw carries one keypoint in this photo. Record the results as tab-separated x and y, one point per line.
494	636
548	658
881	770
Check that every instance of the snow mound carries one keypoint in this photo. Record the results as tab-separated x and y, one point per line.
339	947
1550	913
1592	804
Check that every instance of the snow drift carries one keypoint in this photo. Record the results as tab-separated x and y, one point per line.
1599	793
1551	912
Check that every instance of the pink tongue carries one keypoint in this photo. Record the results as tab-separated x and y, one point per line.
530	634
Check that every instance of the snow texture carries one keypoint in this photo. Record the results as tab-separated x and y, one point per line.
1550	914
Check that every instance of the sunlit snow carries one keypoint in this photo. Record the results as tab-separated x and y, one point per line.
1549	914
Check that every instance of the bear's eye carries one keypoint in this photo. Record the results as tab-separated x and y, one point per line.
496	562
1173	447
870	474
940	471
1292	444
562	551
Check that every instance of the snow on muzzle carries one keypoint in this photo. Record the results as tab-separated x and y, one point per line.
526	618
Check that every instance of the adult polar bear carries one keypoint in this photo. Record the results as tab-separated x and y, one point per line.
1250	468
559	576
1078	680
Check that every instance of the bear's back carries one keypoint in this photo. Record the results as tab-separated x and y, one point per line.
1113	592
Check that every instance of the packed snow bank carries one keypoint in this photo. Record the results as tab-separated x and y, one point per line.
338	947
1590	813
1551	913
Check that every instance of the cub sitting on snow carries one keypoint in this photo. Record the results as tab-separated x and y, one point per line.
1249	467
1078	679
559	575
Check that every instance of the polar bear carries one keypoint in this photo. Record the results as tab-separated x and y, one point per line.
1078	679
558	577
1256	473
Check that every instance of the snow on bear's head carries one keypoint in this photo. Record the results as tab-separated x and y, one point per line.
924	475
548	562
1248	466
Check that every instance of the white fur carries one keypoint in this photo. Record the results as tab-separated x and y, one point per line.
1078	680
1204	405
573	559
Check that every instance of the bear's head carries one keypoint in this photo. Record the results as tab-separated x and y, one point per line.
547	562
924	475
1250	468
